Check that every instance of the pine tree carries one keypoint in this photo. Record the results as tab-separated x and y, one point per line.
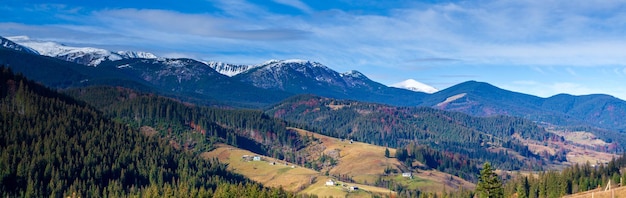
489	185
387	152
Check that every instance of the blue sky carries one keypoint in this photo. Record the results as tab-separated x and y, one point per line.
537	47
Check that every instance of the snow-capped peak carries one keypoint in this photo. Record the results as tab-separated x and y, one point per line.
414	85
280	63
131	54
81	55
300	61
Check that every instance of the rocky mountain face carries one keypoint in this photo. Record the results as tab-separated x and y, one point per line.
307	77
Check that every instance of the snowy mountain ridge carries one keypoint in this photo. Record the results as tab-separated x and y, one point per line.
82	55
269	74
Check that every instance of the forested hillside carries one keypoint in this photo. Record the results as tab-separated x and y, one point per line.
196	128
54	146
456	133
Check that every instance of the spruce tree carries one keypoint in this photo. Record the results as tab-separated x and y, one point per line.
387	153
489	185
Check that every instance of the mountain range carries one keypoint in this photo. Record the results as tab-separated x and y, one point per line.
260	85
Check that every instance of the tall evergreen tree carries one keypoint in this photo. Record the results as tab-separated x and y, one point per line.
489	185
387	153
523	188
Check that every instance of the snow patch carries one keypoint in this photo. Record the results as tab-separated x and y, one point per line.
123	66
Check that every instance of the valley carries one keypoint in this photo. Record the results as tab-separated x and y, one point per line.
284	126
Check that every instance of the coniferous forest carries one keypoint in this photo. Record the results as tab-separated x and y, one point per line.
55	146
571	180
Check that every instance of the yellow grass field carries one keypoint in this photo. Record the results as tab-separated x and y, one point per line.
320	189
600	193
367	162
364	163
291	179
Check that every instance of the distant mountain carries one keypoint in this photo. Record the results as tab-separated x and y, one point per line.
414	85
483	99
307	77
81	55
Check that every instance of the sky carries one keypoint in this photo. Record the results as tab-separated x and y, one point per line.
541	48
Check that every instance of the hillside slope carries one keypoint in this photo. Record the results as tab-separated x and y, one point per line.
400	126
52	138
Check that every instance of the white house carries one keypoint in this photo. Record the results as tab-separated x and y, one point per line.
330	182
407	174
353	188
256	158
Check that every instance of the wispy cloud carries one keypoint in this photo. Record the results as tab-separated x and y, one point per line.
296	4
427	60
571	72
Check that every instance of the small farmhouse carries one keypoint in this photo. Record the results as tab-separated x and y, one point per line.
353	188
256	158
330	182
407	174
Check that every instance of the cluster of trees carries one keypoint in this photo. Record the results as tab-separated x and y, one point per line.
448	162
574	179
54	146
